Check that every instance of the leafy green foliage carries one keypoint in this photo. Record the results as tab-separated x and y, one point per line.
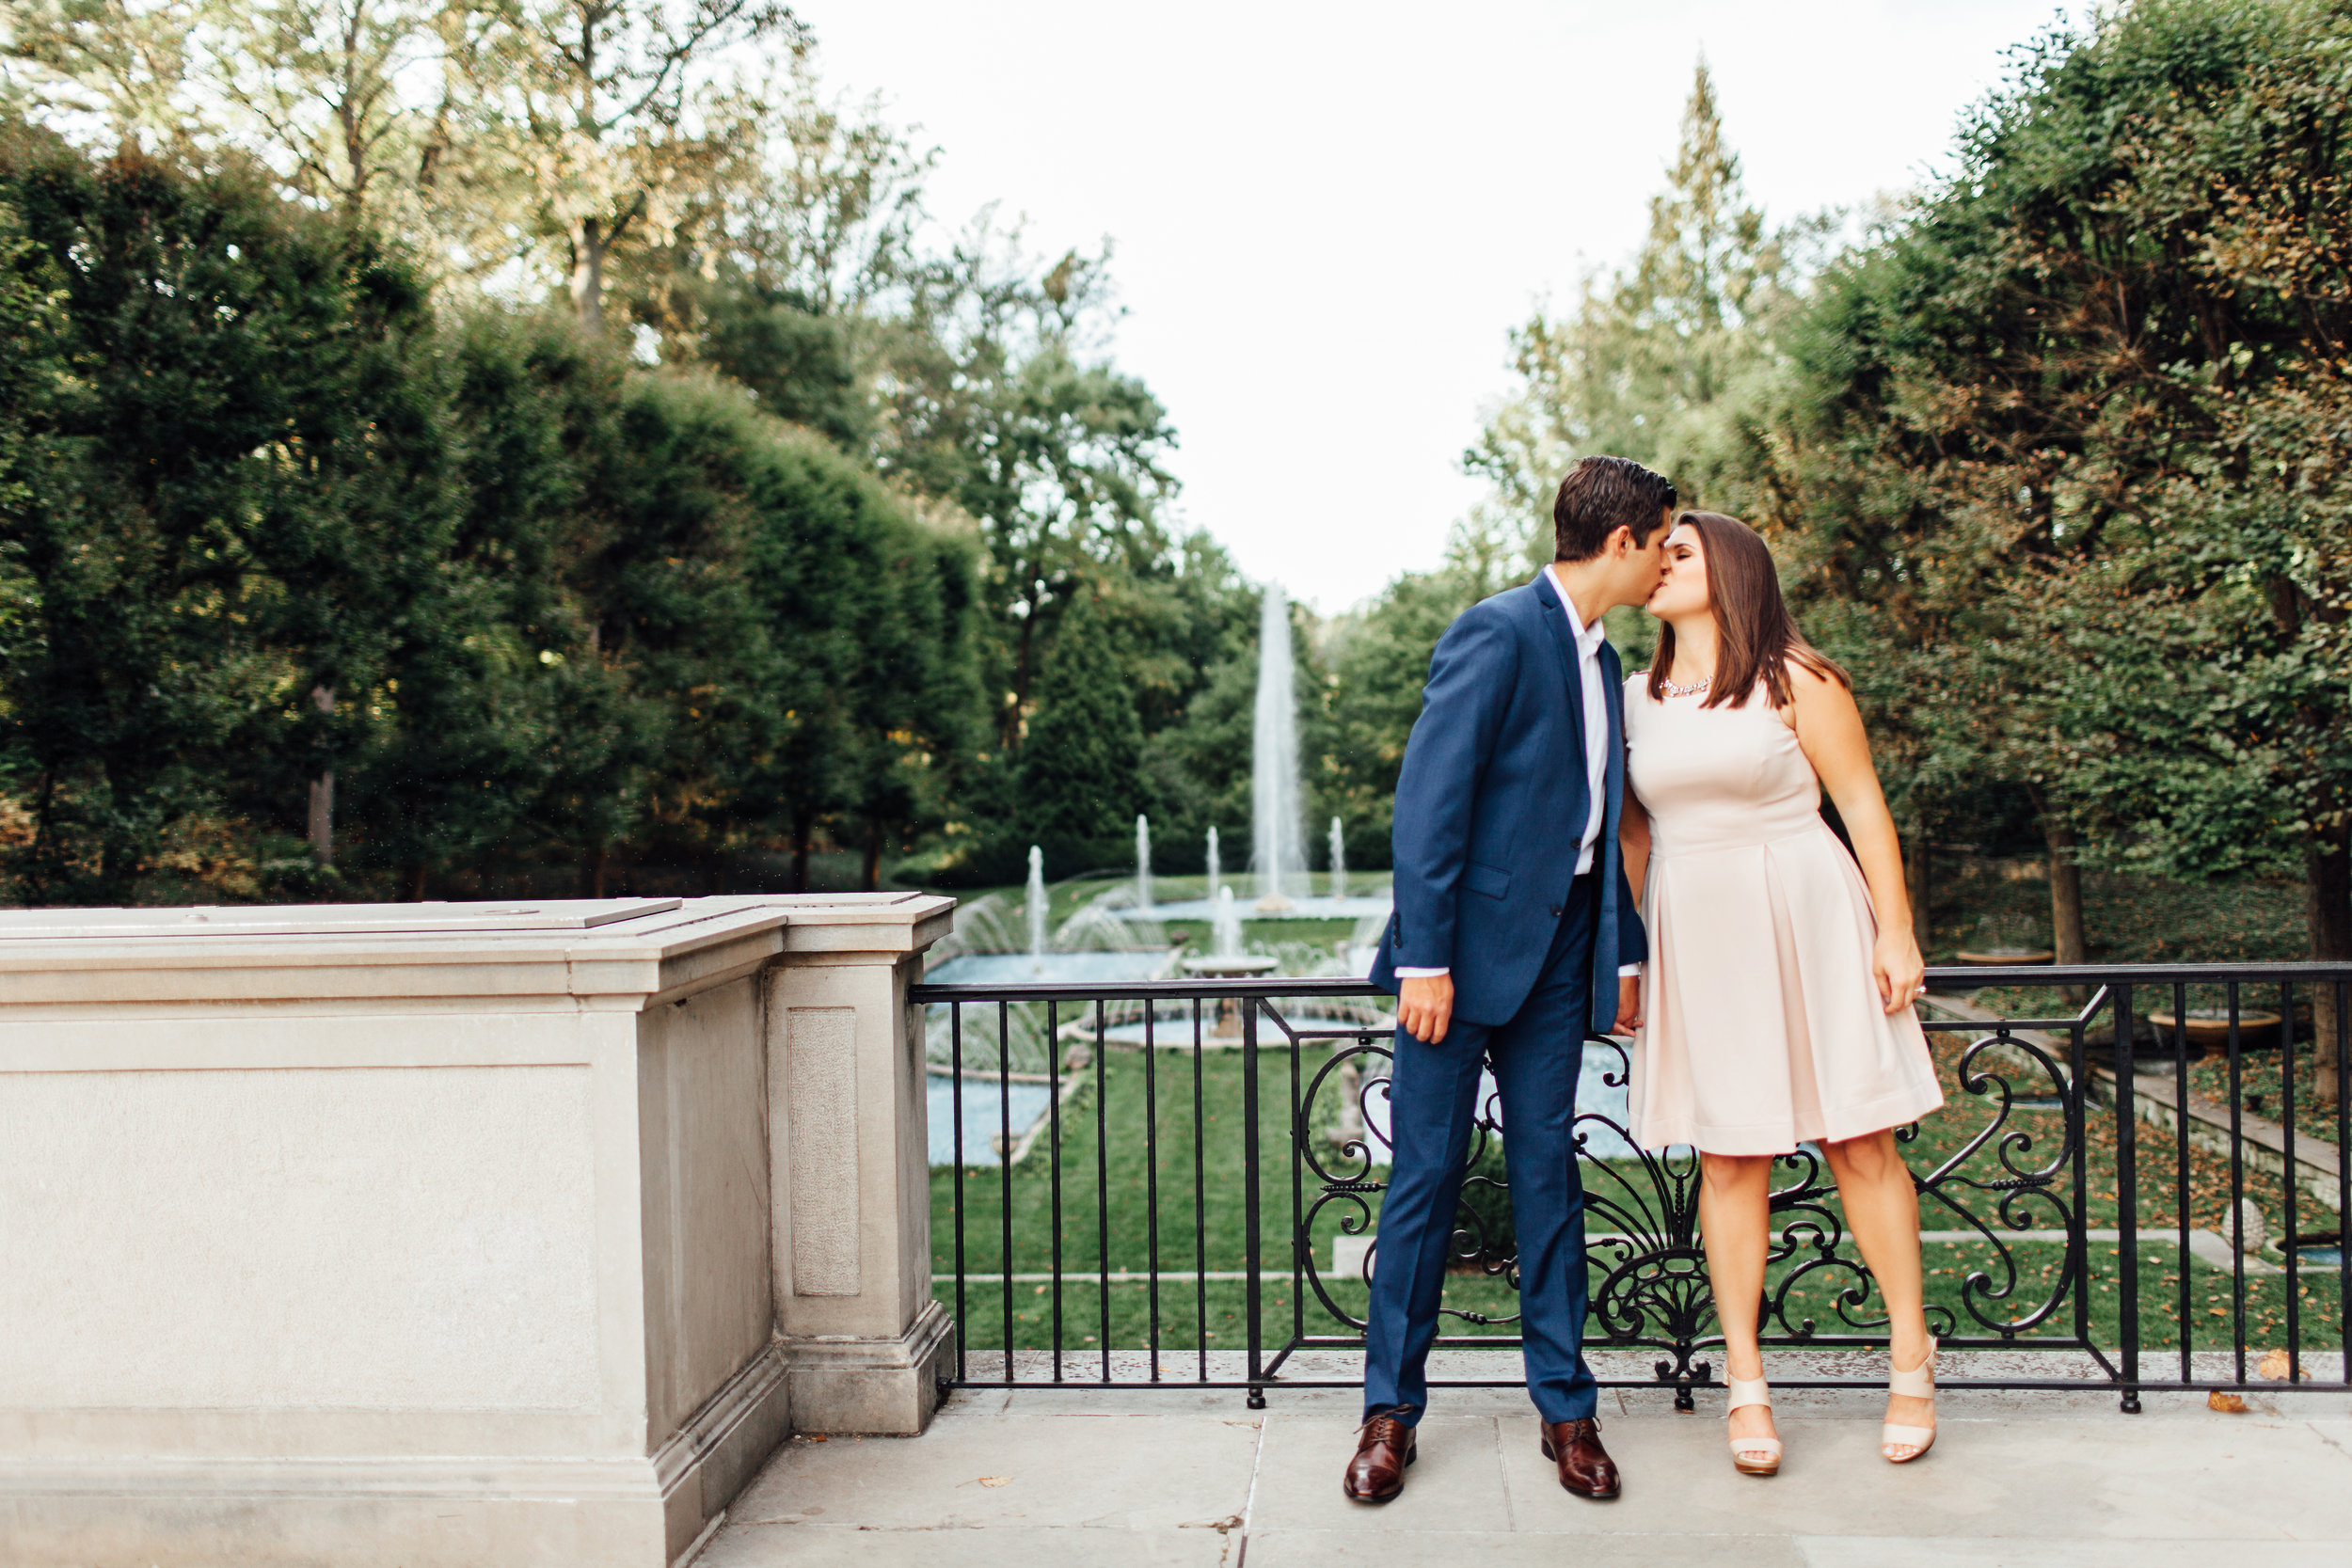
1081	767
567	608
1663	361
792	590
2064	451
240	496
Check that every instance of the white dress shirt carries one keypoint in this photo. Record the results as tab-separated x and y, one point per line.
1589	637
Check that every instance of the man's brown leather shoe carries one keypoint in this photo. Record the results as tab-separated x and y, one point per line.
1384	1446
1585	1468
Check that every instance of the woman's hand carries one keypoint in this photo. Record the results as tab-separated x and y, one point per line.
1896	963
1628	1004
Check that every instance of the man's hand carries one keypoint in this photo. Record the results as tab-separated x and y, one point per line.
1424	1005
1629	1003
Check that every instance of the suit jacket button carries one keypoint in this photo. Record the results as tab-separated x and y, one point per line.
1555	912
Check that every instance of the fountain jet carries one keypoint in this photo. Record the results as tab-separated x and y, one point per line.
1035	899
1143	862
1277	848
1225	932
1338	861
1215	870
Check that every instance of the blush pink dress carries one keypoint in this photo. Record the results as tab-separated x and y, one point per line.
1763	1025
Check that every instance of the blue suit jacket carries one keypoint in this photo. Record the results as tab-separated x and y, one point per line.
1490	808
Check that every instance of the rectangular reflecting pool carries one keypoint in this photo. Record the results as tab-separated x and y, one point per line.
984	1116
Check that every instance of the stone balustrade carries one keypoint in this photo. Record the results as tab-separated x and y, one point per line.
428	1234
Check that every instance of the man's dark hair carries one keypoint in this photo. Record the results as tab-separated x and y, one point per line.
1599	495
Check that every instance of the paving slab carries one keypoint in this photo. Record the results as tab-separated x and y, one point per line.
1858	1551
995	1546
1335	1548
1039	1480
1133	1472
2229	1478
2336	1433
1454	1483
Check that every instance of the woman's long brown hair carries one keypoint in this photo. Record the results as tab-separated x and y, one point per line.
1754	638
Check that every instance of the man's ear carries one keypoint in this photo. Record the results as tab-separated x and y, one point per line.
1620	542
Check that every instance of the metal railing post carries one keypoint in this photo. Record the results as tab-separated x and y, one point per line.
2126	1204
1254	1259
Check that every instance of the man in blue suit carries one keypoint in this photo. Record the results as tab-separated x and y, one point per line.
1515	933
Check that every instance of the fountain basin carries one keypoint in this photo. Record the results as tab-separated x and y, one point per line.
1300	909
1230	966
1015	969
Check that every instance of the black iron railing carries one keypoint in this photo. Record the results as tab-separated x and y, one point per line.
1187	1197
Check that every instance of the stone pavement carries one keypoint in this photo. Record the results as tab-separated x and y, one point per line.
1040	1478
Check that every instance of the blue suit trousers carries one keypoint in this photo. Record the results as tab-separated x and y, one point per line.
1432	1104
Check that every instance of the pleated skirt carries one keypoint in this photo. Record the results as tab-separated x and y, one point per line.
1762	1024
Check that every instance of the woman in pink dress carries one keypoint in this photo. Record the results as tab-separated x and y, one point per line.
1777	1004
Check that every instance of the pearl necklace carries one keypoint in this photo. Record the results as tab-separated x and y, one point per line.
1671	689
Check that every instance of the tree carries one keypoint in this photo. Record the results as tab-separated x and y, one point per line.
1003	405
2060	441
127	62
242	484
633	614
1081	768
1650	361
612	107
1379	661
315	87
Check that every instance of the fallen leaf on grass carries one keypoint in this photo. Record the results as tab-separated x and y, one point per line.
995	1481
2229	1405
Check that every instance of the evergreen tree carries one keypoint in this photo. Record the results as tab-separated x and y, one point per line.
1644	364
1081	765
243	496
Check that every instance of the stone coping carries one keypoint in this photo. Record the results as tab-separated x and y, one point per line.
575	948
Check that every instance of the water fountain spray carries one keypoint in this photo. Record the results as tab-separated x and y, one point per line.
1225	932
1338	861
1276	822
1036	897
1215	870
1143	862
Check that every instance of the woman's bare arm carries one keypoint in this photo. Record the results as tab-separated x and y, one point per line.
1634	843
1829	729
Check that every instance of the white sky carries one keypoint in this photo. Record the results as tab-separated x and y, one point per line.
1327	216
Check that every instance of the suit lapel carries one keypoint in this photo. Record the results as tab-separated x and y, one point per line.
1613	773
1555	616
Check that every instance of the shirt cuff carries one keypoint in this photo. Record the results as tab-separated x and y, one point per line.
1623	970
1423	974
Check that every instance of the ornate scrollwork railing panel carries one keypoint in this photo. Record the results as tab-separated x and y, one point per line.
1649	1286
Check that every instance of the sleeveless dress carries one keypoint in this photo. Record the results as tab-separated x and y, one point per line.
1763	1025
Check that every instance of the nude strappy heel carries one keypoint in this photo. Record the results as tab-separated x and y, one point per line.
1752	1456
1918	1384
